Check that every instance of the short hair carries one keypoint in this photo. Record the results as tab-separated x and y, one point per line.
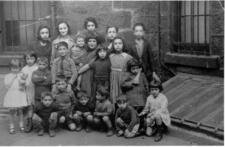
67	24
132	62
42	60
82	93
139	24
62	43
79	36
116	28
46	93
40	28
103	91
92	35
102	47
31	54
90	19
156	84
121	98
61	78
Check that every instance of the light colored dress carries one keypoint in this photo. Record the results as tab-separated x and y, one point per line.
159	105
28	70
68	39
118	69
15	96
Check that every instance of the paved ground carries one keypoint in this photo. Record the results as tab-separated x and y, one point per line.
176	136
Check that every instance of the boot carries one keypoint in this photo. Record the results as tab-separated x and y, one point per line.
29	125
159	134
110	132
51	130
40	129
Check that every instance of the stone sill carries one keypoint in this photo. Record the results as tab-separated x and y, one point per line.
209	62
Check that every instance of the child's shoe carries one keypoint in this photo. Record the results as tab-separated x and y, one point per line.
110	133
51	133
159	134
22	129
88	129
12	131
79	128
41	132
120	133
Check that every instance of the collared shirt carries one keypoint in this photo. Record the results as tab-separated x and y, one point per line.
69	69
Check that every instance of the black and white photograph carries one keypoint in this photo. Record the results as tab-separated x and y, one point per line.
111	73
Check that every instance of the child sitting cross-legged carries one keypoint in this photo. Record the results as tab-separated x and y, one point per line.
82	112
45	114
156	111
104	110
66	100
126	120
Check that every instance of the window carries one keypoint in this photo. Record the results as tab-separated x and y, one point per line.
20	22
193	34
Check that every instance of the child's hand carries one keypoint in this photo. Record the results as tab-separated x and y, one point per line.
81	64
85	114
78	113
141	114
120	121
69	87
53	116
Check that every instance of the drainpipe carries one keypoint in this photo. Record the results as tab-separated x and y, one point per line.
159	43
53	16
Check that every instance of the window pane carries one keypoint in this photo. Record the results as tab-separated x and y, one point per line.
7	10
12	33
188	29
207	7
23	34
183	29
188	7
201	29
182	8
196	29
195	7
207	29
201	7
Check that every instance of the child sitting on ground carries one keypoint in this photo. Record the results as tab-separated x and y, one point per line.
45	114
41	78
104	110
126	119
83	112
66	100
156	108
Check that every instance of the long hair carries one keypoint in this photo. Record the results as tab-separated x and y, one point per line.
124	46
67	24
90	19
40	28
102	47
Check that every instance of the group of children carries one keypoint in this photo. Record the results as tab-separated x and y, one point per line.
87	81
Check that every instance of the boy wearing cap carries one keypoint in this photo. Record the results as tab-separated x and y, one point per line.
156	111
126	119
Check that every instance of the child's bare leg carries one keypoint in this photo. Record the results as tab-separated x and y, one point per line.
29	119
21	123
11	121
79	82
108	122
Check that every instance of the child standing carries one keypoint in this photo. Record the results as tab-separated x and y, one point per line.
119	61
156	111
101	69
64	34
64	66
15	98
82	112
65	100
126	119
45	114
141	51
42	47
104	110
111	33
28	70
87	77
135	85
41	78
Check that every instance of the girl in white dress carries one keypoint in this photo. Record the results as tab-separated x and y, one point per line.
28	69
15	98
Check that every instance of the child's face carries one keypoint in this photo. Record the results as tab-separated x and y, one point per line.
80	42
134	69
90	26
102	54
63	29
139	32
62	50
155	92
92	43
122	104
42	65
111	33
118	45
99	97
44	33
61	85
83	100
47	101
30	60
